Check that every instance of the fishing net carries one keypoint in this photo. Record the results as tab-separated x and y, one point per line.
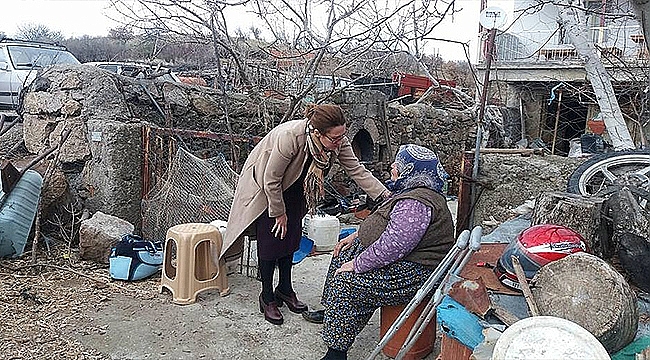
193	190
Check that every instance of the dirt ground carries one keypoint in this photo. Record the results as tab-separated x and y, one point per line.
52	313
71	309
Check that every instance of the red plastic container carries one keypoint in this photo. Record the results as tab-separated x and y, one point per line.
596	126
422	347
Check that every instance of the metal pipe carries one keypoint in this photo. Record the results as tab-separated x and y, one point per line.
479	122
557	121
522	118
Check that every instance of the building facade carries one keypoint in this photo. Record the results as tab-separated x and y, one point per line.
537	72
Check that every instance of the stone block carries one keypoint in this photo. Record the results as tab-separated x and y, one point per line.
75	148
372	111
358	111
71	108
99	233
42	103
36	131
114	178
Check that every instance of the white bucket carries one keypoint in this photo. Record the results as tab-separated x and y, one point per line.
324	231
547	337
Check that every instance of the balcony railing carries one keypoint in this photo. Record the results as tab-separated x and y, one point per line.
624	43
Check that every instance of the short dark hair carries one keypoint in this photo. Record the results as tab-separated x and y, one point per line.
324	117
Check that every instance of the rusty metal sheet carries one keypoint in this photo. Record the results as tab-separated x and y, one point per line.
472	294
488	254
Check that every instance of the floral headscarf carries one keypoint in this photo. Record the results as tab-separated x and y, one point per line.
417	167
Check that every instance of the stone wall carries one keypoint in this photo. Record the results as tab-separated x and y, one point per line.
448	132
103	158
508	181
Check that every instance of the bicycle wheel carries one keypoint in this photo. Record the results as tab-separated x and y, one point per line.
600	173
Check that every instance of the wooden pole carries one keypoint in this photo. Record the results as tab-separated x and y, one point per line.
522	118
557	121
524	286
523	152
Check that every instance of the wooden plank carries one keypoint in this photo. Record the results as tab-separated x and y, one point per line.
504	315
451	349
524	152
481	264
524	286
472	294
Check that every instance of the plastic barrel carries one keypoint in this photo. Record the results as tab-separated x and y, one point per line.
422	347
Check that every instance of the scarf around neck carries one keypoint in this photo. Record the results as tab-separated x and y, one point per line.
313	187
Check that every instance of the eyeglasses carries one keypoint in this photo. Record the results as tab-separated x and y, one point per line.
335	139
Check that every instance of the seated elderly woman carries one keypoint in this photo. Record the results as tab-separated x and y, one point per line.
392	254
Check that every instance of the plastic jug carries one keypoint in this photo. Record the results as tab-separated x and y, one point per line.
324	231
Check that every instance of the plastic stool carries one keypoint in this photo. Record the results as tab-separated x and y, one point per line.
423	345
194	270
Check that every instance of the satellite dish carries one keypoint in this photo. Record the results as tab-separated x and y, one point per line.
493	18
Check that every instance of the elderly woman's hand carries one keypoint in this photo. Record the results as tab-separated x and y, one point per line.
346	267
344	244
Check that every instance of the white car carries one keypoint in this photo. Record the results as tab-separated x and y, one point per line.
19	62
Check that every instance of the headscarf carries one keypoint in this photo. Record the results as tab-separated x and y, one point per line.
313	187
417	167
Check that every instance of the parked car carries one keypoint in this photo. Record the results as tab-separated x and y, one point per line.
19	62
137	70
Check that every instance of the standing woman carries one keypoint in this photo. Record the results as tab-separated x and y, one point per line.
280	181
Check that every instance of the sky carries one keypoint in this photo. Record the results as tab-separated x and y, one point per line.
74	18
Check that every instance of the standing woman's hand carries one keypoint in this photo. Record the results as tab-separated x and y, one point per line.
280	227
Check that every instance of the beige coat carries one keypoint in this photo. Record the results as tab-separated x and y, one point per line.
273	165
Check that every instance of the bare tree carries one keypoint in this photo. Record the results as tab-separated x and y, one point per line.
350	34
201	22
571	21
39	32
306	37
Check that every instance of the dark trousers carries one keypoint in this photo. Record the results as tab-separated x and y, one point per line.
267	269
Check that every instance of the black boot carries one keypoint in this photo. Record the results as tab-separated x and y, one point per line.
315	317
333	354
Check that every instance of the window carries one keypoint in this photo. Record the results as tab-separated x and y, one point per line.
597	21
109	67
3	57
28	57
